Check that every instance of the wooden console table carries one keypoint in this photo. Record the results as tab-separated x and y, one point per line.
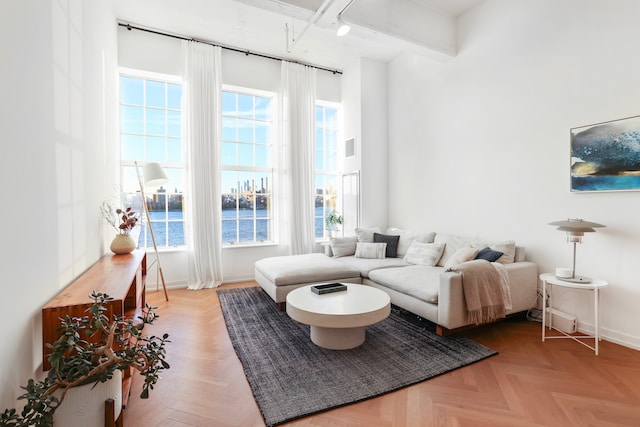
122	277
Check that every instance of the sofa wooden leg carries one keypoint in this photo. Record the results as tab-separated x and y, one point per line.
282	306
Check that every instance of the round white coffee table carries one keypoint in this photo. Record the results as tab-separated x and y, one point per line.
338	320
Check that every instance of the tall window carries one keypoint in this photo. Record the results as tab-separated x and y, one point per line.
326	165
247	168
150	131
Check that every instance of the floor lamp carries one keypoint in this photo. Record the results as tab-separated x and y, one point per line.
153	176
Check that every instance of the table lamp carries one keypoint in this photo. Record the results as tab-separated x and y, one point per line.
575	229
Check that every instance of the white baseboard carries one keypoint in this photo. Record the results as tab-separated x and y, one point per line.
610	335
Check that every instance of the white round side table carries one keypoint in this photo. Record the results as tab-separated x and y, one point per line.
550	279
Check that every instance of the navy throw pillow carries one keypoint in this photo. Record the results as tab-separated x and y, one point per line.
488	254
391	241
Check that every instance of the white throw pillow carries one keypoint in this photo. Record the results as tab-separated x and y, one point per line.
451	245
370	250
343	246
508	249
461	255
366	234
424	253
407	236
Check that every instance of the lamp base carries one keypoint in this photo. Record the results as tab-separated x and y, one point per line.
576	279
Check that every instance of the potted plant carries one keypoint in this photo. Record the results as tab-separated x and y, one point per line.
334	220
123	221
91	350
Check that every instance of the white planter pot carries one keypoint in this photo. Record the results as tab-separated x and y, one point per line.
83	406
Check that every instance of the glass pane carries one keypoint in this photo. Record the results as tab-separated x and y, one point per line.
174	92
319	228
174	127
246	230
263	205
155	149
228	103
159	232
229	231
176	233
176	180
131	90
245	130
245	155
263	232
263	182
331	118
331	141
174	150
156	94
245	106
263	133
228	129
263	156
131	119
156	121
263	110
129	182
229	182
320	160
229	153
156	205
132	147
332	161
319	138
246	181
319	116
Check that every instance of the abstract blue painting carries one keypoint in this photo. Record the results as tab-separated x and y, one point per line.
606	156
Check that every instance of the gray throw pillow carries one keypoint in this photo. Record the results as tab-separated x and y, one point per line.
489	254
391	241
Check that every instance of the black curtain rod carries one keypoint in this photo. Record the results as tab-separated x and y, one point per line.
234	49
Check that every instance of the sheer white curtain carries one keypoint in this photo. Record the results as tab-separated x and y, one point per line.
298	108
202	87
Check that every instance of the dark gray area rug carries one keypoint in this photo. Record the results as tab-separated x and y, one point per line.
291	377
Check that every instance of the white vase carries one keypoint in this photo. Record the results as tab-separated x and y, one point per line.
83	406
122	244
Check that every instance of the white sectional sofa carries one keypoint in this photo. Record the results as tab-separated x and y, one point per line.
416	277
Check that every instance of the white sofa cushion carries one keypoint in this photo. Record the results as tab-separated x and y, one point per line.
453	244
419	281
343	246
407	236
370	250
364	265
424	253
366	234
295	269
464	254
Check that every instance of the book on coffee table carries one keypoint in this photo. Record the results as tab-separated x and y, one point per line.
327	288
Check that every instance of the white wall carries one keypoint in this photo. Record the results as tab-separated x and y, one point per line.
56	113
364	101
161	54
480	144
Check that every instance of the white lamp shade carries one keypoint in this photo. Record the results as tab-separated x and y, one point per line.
154	175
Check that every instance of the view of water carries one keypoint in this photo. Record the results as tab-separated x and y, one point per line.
171	232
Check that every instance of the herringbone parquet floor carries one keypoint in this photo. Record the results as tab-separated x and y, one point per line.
530	383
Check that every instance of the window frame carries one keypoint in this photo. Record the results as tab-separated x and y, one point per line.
272	169
328	172
123	164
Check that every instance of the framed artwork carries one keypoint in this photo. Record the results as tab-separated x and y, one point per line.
606	156
350	202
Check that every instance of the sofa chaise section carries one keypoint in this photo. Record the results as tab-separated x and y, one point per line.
280	275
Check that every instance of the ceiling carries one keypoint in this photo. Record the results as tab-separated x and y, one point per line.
305	30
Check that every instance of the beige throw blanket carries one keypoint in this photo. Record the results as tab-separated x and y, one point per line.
484	295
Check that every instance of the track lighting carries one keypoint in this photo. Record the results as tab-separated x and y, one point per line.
343	28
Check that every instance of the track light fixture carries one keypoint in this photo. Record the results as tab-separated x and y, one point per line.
343	27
